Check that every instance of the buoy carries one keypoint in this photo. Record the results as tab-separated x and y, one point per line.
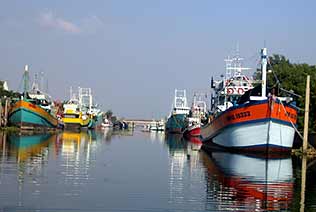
240	91
230	91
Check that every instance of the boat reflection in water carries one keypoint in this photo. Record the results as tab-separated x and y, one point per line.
194	143
23	159
185	175
25	147
107	133
157	136
77	146
248	183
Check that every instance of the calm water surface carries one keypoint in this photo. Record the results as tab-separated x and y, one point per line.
141	171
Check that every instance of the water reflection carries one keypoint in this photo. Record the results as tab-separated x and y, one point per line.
186	176
24	147
100	171
78	157
248	183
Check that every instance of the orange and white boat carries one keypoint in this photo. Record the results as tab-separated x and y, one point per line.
246	118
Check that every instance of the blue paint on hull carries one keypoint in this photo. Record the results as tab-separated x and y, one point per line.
26	117
176	123
28	141
95	122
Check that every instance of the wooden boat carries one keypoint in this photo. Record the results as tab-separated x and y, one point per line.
244	118
34	109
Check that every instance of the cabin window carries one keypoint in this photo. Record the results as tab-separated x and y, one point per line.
71	116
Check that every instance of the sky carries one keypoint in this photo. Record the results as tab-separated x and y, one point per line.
134	53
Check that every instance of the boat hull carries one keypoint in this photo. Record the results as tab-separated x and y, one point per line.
75	123
176	123
25	114
96	122
256	127
193	131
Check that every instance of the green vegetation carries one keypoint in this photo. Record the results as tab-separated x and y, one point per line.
109	114
292	77
5	93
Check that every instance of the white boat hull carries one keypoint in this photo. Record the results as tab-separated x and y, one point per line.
254	127
256	135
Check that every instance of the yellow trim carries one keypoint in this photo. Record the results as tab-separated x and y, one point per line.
76	121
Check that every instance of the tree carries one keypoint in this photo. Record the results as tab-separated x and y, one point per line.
109	114
292	77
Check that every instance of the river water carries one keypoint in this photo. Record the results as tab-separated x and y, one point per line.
142	171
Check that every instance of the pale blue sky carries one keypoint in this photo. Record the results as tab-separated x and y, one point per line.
134	53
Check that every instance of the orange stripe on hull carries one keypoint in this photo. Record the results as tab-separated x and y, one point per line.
251	112
36	109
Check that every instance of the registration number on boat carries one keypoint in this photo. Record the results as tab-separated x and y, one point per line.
238	115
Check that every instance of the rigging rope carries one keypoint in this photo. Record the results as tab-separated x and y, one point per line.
293	125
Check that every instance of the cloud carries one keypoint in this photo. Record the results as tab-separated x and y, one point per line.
50	20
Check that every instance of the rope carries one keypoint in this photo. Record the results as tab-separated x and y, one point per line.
299	134
293	125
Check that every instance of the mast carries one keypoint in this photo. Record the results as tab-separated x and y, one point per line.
264	71
70	93
35	85
26	80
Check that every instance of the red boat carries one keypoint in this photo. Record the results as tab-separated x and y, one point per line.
193	127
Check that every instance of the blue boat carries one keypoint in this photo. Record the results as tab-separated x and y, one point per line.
176	121
96	120
25	113
34	109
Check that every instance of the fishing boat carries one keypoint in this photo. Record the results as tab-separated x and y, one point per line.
196	116
157	125
106	124
176	120
73	117
153	126
34	109
87	106
249	183
193	127
248	118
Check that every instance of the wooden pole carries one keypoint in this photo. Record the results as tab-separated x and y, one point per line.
6	107
0	112
303	184
305	140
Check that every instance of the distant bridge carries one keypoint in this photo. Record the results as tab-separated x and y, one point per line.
138	122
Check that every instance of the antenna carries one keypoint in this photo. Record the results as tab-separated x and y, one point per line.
46	88
35	83
237	49
70	92
41	86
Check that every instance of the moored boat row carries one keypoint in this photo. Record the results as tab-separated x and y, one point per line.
244	114
35	109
